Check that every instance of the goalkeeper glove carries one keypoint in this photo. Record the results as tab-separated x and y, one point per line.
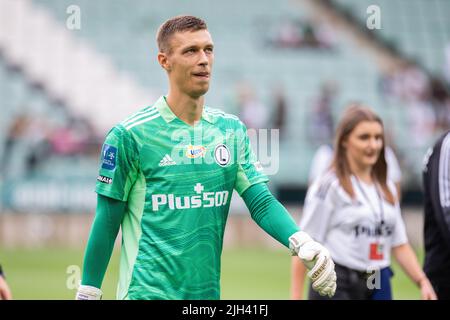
317	260
88	293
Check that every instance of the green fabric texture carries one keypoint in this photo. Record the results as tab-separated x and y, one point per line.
108	217
269	213
265	210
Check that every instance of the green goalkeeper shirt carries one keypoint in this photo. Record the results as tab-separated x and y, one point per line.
177	181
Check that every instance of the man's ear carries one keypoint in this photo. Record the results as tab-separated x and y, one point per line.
164	61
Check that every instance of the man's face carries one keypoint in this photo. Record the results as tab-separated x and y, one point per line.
190	61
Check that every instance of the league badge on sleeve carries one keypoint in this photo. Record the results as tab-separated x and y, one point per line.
109	155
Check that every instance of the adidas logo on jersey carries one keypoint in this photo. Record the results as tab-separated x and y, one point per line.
166	161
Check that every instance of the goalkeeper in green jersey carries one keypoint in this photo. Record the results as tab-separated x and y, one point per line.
166	177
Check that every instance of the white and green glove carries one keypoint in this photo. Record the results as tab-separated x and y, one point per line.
88	293
317	260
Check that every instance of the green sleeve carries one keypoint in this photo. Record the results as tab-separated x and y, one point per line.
250	170
269	213
119	164
105	228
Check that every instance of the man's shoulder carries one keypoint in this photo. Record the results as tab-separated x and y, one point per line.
220	116
142	116
444	140
440	149
128	127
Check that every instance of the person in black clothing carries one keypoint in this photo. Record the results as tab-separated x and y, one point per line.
436	182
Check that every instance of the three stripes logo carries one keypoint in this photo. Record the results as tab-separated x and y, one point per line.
167	161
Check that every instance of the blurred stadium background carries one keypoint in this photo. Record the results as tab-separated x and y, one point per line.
287	64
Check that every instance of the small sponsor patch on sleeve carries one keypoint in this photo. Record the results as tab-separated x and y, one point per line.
104	179
109	156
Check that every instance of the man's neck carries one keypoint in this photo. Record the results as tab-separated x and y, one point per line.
186	108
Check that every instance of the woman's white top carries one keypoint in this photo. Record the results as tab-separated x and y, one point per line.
360	232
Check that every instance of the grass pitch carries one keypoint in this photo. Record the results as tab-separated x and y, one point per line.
247	273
